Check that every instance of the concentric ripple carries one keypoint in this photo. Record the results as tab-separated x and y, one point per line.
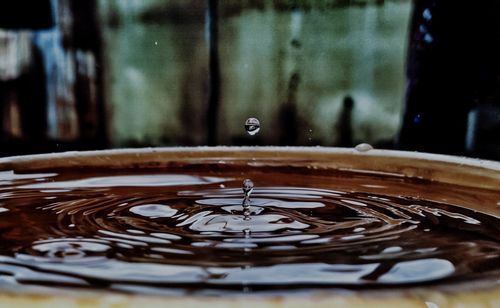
153	233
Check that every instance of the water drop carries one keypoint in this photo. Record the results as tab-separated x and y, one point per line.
252	126
156	43
363	147
246	208
247	187
222	186
247	232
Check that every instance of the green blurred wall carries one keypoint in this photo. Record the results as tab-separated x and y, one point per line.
288	63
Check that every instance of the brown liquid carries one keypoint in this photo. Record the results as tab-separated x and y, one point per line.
183	230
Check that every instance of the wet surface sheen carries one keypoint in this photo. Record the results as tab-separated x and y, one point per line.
177	231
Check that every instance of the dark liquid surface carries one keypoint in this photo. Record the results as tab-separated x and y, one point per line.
183	230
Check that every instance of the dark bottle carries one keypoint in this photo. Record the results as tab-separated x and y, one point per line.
453	66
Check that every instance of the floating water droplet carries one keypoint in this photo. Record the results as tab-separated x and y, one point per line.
247	232
363	147
252	126
247	187
222	186
156	43
71	225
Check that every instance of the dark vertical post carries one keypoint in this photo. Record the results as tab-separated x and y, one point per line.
22	85
214	72
89	84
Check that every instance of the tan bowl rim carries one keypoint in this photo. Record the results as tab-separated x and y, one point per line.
461	170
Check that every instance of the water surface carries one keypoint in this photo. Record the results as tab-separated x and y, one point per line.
183	230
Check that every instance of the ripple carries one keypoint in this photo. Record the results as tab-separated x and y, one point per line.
65	250
179	230
128	181
153	210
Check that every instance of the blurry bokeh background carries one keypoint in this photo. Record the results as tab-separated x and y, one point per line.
93	74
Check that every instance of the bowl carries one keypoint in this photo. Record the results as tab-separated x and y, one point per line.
479	180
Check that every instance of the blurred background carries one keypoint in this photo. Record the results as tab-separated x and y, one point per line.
399	74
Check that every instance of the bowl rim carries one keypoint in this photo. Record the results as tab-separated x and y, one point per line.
458	170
